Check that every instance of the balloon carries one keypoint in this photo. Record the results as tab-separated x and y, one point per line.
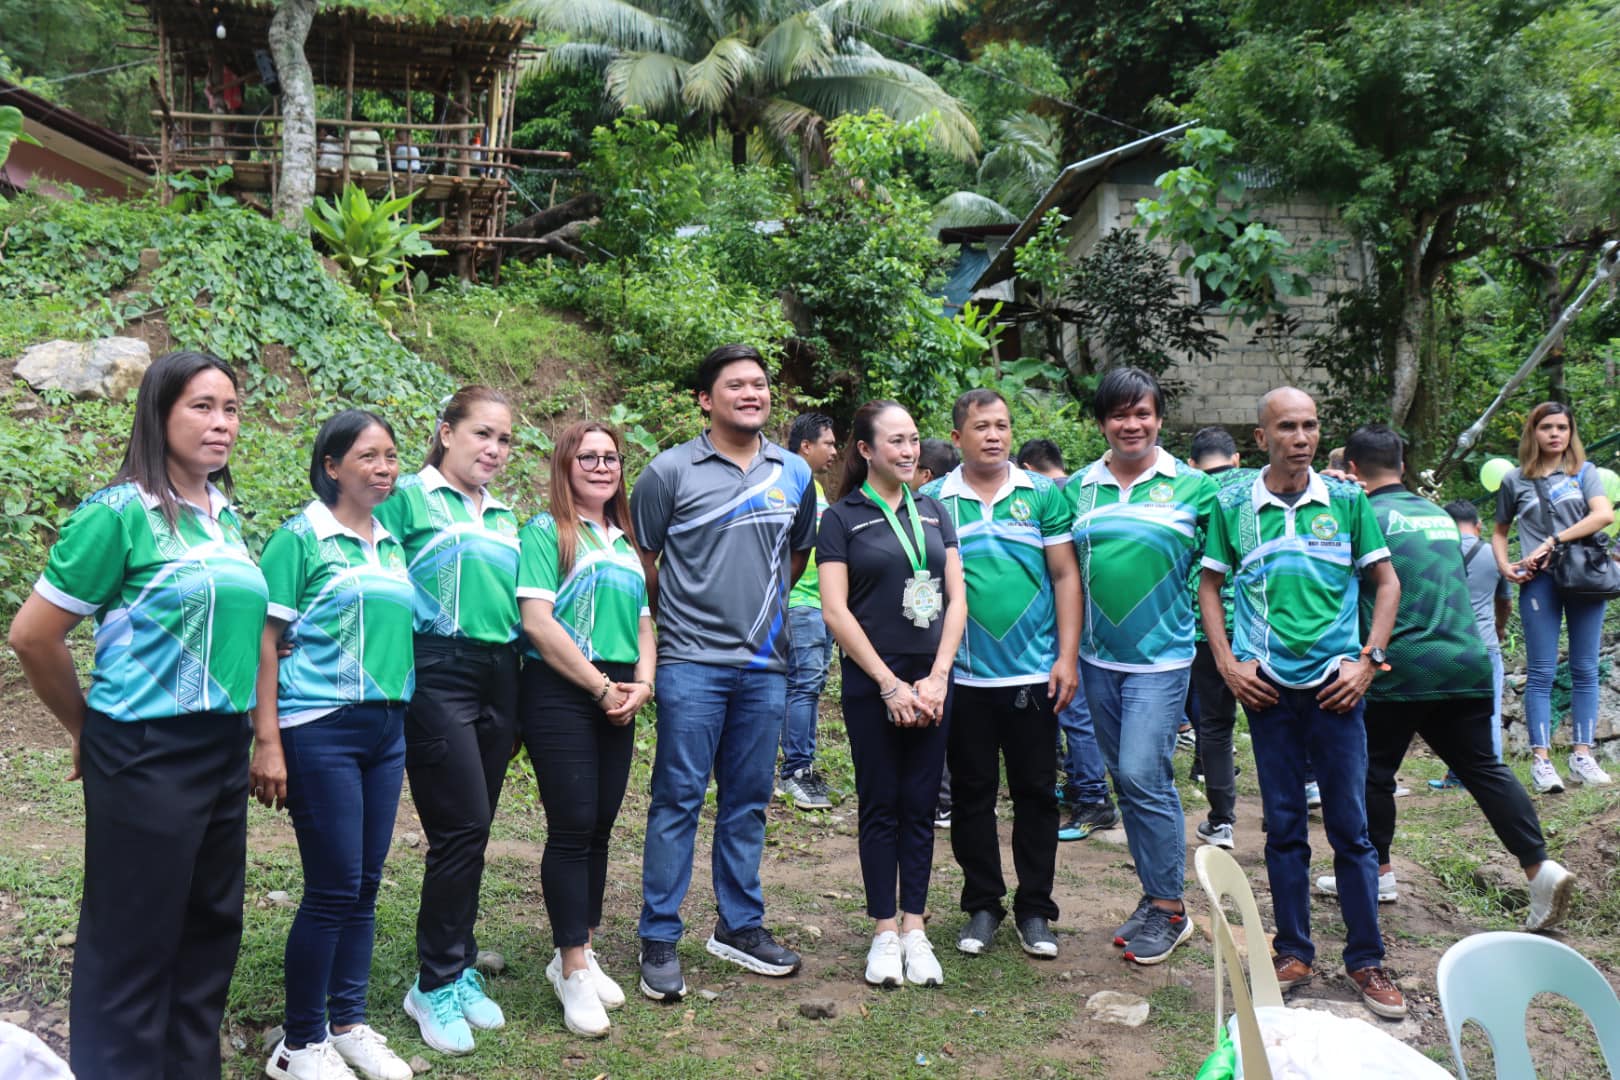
1491	473
1611	488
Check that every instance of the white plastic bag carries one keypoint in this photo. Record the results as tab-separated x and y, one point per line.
24	1057
1305	1044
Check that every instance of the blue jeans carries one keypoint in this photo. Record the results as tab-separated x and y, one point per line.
809	654
1136	715
1495	653
1543	612
344	773
726	721
1337	744
1083	778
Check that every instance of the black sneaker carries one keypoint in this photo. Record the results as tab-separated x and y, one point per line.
975	936
806	790
942	816
1087	818
1133	925
661	971
1036	937
1161	932
754	949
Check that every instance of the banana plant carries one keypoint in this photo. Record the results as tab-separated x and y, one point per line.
370	241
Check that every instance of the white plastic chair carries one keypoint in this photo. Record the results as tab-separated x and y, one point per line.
1490	979
1220	877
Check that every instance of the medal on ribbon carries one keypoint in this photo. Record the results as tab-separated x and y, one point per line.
923	599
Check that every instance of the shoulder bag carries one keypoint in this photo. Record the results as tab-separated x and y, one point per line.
1585	568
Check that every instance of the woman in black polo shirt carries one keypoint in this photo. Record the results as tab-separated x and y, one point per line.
893	597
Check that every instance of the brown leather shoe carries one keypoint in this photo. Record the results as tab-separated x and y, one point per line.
1378	993
1291	972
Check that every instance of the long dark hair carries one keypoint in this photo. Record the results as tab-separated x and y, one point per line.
1532	463
862	429
615	512
146	458
334	440
455	410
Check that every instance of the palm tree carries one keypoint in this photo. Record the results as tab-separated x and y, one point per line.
1013	176
779	67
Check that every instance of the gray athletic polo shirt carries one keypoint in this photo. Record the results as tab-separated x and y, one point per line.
1517	498
726	537
1485	584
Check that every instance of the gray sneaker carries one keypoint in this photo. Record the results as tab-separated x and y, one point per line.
806	790
1133	925
975	936
1161	932
1036	937
1216	835
661	971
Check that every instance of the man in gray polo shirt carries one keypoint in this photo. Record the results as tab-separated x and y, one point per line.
726	523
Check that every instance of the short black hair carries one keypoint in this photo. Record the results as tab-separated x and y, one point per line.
1210	442
807	428
1122	387
1040	454
718	359
334	439
1462	512
970	400
938	456
1375	446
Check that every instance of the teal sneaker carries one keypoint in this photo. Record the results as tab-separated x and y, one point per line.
438	1014
480	1011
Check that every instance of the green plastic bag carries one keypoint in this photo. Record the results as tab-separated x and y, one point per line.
1222	1064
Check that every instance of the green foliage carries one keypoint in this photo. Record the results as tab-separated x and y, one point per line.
371	241
11	131
557	110
201	188
47	47
646	181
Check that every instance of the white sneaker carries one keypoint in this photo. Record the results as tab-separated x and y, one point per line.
1386	886
1313	795
316	1061
1550	893
606	989
922	966
367	1053
1584	768
1545	776
582	1008
883	960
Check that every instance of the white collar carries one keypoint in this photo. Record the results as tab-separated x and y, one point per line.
433	480
613	531
1316	490
1099	473
326	525
217	502
956	484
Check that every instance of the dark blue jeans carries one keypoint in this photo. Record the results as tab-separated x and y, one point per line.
344	772
1084	780
1337	744
809	653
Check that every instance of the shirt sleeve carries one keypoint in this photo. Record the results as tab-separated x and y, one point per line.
537	574
1206	501
395	514
1591	483
1507	499
1218	553
832	538
1057	518
803	536
284	574
86	566
650	507
1367	544
947	527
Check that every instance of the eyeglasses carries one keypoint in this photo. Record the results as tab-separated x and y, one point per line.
589	462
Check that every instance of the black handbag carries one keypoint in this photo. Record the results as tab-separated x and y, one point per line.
1584	568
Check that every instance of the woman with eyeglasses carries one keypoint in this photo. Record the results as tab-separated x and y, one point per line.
587	671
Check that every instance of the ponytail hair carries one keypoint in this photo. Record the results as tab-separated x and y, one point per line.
454	409
862	429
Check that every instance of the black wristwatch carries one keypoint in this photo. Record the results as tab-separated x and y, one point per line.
1379	658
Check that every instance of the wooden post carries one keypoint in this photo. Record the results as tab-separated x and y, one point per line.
166	135
410	143
466	267
348	97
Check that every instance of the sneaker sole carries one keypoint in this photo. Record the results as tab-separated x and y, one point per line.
483	1026
716	947
1563	893
1285	985
1149	961
929	982
892	982
662	995
1387	1012
1040	950
1218	841
970	946
1067	835
440	1047
1579	779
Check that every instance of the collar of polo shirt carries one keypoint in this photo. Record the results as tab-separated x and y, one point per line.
1316	490
613	531
326	525
1098	473
217	502
433	480
956	484
703	447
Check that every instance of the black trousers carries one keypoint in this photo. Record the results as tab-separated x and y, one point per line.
165	851
459	733
989	725
897	778
1458	730
581	761
1214	719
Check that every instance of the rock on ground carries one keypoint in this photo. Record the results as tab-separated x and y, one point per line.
109	368
1117	1007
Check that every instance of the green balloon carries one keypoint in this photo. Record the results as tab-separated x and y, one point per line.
1491	473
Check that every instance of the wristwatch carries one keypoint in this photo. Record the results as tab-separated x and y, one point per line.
1379	658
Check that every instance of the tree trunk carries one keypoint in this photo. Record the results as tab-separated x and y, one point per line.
586	205
1408	338
739	148
289	29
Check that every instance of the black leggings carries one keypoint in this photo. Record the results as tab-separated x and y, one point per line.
582	763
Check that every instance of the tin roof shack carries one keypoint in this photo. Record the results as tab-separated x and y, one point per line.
72	150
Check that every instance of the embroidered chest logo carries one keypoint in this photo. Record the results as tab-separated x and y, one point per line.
1019	510
505	527
1162	492
775	498
1324	526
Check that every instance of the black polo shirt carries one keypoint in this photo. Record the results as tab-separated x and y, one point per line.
855	532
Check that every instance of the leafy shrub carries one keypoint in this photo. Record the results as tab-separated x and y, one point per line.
372	243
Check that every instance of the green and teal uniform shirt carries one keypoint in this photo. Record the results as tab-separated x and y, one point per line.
1224	477
1011	636
462	561
807	590
1296	574
603	597
179	610
1435	651
348	609
1136	546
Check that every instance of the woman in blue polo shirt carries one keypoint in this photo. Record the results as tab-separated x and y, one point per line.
330	738
161	740
461	548
895	600
588	670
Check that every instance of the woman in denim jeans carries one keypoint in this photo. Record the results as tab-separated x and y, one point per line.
329	731
1550	451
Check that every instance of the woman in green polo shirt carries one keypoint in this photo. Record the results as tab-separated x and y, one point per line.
588	670
330	738
161	740
461	549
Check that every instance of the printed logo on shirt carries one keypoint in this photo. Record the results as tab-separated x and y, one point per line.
1162	492
1019	509
776	498
506	527
1324	526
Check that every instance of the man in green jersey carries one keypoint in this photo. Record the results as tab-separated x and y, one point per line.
1439	683
809	644
1301	547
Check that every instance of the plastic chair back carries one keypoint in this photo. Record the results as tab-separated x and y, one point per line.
1221	877
1490	979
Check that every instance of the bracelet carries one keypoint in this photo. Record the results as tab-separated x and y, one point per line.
892	691
607	684
648	684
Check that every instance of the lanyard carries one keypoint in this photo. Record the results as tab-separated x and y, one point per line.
918	554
